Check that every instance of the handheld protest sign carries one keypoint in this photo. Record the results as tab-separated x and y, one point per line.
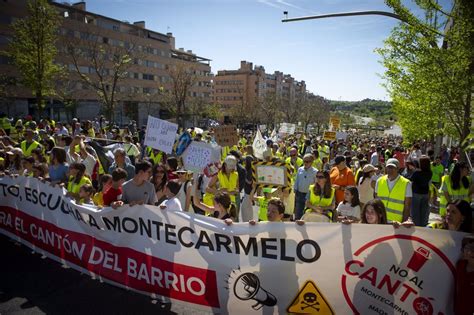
226	135
272	174
329	135
160	134
335	123
200	154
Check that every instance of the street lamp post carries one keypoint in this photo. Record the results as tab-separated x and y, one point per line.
342	14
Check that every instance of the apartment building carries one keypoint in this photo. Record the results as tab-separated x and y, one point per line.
250	83
139	93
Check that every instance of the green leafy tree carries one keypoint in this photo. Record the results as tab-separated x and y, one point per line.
431	84
33	49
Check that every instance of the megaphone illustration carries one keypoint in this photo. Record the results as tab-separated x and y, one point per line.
247	286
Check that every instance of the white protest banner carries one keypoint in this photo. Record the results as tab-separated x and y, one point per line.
199	154
287	128
259	145
267	268
160	134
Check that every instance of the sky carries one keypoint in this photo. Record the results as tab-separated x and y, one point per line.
334	56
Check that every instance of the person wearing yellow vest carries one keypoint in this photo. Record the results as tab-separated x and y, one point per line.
320	198
29	144
76	179
263	203
155	155
5	123
458	217
227	178
323	150
457	185
294	161
317	163
395	192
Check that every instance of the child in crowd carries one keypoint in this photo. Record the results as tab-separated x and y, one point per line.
374	212
104	183
40	170
349	208
172	202
114	192
77	179
263	203
223	208
275	212
27	164
85	194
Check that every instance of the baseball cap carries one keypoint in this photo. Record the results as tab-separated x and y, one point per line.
392	162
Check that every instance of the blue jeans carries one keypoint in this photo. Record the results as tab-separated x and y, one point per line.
420	209
300	201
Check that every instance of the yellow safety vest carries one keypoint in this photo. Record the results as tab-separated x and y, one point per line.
394	200
263	207
73	187
317	201
5	124
299	163
231	183
461	193
27	150
156	158
318	164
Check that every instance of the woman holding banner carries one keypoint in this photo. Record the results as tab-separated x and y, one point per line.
320	199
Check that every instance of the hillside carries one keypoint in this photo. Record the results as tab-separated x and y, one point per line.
377	109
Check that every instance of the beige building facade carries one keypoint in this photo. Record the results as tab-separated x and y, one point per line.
250	83
139	92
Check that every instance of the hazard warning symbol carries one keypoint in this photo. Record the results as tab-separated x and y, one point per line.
310	300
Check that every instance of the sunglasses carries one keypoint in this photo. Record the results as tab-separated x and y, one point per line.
320	177
308	161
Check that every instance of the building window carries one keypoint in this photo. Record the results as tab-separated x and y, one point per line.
105	40
147	76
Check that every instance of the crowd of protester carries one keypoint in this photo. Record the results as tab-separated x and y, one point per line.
360	180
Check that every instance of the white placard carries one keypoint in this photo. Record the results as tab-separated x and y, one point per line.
341	135
199	154
271	175
259	145
287	128
160	134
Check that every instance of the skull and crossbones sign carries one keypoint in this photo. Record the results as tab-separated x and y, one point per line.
310	300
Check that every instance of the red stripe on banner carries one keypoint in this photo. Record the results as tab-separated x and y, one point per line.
119	264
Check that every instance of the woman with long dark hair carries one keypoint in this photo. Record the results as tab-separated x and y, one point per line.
159	179
77	179
421	180
320	198
457	185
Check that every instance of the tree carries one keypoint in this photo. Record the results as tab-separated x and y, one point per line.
33	49
314	110
183	78
270	109
431	86
102	65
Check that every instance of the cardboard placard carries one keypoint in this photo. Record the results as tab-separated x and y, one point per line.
226	135
160	134
329	135
335	123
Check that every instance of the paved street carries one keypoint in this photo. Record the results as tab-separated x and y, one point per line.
32	285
